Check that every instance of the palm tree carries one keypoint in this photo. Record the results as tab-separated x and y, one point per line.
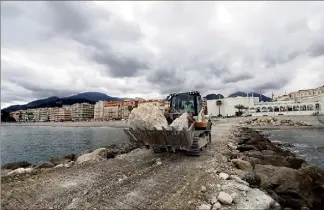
219	103
239	107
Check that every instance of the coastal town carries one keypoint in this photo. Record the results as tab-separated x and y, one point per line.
302	102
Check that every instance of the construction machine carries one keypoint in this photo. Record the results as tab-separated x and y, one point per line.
192	140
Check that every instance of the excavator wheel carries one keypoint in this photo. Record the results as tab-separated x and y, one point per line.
158	150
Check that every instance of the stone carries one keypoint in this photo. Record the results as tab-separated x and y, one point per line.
181	122
293	188
16	165
217	206
321	148
231	146
239	180
203	189
243	148
73	204
242	187
45	164
224	198
204	207
234	196
95	156
20	171
147	116
223	176
242	164
252	178
255	199
63	159
213	200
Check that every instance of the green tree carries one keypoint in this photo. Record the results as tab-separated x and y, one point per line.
240	108
130	108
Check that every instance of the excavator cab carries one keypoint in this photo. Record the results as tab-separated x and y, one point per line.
192	140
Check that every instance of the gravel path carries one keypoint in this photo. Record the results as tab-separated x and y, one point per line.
137	180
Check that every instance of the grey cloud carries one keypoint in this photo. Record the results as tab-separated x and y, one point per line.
237	78
317	50
274	84
118	67
9	10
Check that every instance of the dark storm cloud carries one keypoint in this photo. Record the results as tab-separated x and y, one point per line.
237	78
317	49
271	85
78	22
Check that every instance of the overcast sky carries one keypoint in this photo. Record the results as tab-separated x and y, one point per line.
149	49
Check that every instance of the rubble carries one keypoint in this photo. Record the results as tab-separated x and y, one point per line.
274	122
181	122
147	116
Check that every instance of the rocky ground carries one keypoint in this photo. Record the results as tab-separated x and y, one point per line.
223	177
274	122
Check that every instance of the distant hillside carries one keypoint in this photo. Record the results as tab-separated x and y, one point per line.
87	97
243	94
214	96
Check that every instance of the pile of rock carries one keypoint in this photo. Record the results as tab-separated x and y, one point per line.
148	116
274	121
287	178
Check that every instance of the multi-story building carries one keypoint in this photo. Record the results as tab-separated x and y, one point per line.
64	114
111	110
126	108
301	94
44	115
99	110
82	111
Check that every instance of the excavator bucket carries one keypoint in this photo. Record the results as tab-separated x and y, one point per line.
162	138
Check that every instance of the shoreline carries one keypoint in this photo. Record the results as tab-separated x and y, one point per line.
238	178
112	124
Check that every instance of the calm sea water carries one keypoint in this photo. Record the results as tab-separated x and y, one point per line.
305	143
36	144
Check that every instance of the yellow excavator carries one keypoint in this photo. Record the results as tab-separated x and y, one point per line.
192	140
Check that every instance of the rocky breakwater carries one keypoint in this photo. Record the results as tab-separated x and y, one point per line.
274	122
288	179
17	169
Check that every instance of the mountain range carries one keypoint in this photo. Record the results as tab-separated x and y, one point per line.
93	97
54	101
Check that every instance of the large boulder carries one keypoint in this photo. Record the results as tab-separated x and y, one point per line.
62	160
181	122
15	165
293	188
95	156
113	150
147	116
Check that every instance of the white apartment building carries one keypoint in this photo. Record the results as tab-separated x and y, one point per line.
82	111
302	94
99	110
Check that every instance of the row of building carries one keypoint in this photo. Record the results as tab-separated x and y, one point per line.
303	102
102	110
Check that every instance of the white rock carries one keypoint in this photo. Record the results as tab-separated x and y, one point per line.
204	207
231	146
73	204
218	186
213	200
255	199
59	165
203	189
97	155
20	171
147	116
239	180
217	206
242	187
225	198
181	122
223	176
234	196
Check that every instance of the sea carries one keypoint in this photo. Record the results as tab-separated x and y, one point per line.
39	143
303	142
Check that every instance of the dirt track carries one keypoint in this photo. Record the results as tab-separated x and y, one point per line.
131	181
